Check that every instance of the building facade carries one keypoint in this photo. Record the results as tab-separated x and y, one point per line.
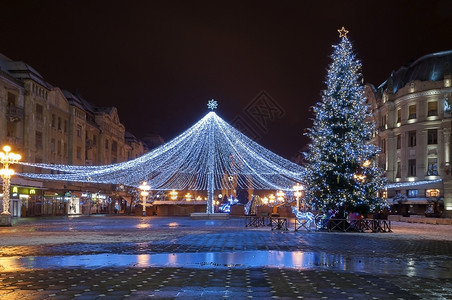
412	112
46	124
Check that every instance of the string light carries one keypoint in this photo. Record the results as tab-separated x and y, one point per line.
411	184
197	159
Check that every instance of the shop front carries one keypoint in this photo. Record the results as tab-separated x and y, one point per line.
24	201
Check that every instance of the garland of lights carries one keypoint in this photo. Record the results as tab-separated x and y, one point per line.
201	158
411	183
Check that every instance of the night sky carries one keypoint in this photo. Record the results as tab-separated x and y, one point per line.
159	62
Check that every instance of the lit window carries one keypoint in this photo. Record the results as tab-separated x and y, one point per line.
412	112
432	193
411	193
432	108
432	167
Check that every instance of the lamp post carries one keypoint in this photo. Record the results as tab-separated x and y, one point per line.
144	187
173	195
297	193
6	158
280	195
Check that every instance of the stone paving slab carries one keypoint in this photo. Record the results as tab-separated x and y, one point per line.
136	283
409	246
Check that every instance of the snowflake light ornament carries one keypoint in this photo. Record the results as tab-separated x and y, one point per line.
212	104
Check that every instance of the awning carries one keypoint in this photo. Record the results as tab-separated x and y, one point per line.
127	198
181	202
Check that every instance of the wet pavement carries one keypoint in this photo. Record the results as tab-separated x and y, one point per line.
119	257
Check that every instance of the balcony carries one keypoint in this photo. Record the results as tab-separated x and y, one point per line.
15	113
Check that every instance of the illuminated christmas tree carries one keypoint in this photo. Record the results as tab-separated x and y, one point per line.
341	163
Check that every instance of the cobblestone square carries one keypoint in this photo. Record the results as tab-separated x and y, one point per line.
125	257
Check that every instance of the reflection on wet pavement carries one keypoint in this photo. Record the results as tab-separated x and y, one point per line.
245	259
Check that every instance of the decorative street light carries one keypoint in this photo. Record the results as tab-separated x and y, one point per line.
271	199
144	187
6	158
297	193
281	196
173	195
188	196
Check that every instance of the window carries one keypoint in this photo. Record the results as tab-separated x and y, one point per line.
11	99
398	141
79	131
53	120
79	152
39	112
59	123
384	121
59	148
114	147
52	145
38	140
411	193
383	145
398	171
432	108
412	111
399	115
411	167
432	136
411	138
432	169
432	193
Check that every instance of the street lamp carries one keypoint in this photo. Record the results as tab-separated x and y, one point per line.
280	195
271	199
297	193
173	195
144	187
188	196
6	158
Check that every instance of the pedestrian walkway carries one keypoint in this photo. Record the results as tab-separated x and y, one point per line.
122	257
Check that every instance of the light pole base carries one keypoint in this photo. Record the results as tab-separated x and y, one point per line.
5	220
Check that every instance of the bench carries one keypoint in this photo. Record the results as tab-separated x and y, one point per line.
279	223
256	221
362	225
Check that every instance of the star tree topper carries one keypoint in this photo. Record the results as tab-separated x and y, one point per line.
342	32
212	104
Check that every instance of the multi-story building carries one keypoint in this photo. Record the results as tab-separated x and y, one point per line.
46	124
412	111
